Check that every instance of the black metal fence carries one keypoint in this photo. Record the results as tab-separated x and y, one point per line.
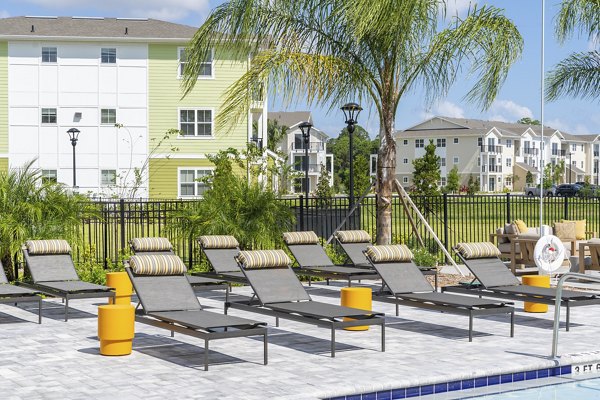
454	218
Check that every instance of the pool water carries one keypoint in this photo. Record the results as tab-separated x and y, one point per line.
578	390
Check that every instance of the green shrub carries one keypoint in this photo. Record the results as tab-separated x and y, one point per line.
423	258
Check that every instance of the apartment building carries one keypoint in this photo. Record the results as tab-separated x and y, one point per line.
117	81
292	145
499	154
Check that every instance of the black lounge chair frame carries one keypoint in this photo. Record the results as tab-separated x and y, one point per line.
298	298
526	293
16	294
198	282
426	297
50	285
173	324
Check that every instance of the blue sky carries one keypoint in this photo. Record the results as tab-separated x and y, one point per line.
519	97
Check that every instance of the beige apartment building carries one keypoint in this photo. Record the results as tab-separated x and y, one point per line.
498	153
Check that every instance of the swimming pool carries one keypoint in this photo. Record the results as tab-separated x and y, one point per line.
588	389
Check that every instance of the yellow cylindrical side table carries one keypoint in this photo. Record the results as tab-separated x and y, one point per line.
116	329
357	297
122	285
540	281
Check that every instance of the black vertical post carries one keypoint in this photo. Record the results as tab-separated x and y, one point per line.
301	213
16	264
508	216
446	221
566	208
122	222
191	251
105	235
351	160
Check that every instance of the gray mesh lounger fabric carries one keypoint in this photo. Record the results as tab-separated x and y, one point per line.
541	291
491	272
355	254
223	260
8	290
451	300
73	286
336	269
403	277
316	309
310	255
199	319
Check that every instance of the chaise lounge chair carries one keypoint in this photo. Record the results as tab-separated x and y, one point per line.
162	246
52	271
496	281
168	302
279	293
313	261
15	294
355	243
409	287
220	250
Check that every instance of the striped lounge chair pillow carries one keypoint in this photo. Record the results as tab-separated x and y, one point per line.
263	259
306	237
54	246
389	253
161	264
218	242
151	244
358	236
477	250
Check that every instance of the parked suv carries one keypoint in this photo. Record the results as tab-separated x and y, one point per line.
568	189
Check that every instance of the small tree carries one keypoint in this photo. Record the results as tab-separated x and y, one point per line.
427	172
559	172
324	191
453	180
275	133
473	185
529	178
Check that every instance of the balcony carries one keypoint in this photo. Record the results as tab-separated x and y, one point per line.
596	153
491	168
258	142
531	151
312	146
491	149
559	153
311	167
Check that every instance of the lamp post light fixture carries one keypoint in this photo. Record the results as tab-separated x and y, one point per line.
73	137
351	111
570	167
305	128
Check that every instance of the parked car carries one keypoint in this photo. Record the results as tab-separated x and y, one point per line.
535	191
568	189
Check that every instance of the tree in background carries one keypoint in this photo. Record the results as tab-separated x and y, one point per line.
529	178
528	121
453	180
473	185
577	75
327	52
363	147
324	191
558	173
275	133
426	174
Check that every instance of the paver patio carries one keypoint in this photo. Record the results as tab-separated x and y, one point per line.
58	360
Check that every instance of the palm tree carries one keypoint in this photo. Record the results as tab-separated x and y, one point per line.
275	133
578	74
330	51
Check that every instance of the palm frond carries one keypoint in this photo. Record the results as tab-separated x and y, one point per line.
578	75
582	16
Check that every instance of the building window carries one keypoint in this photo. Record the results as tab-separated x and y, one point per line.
442	161
574	163
405	142
108	55
192	182
508	181
573	147
195	123
582	164
509	162
206	66
479	142
419	143
509	143
108	116
299	163
48	176
479	161
581	147
405	179
48	115
499	180
443	181
49	54
373	164
108	177
455	160
405	160
441	143
455	140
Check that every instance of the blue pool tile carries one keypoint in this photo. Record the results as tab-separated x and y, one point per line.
543	373
518	376
555	371
506	378
479	382
384	395
493	380
369	396
530	375
565	369
338	398
426	389
453	386
398	394
468	383
413	392
441	388
353	397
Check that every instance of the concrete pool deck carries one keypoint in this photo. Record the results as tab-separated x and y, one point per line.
60	360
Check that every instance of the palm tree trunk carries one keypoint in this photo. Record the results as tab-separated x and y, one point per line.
386	173
8	265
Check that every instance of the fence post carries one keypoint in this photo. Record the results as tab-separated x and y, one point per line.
566	208
105	234
191	250
301	212
508	216
446	221
122	222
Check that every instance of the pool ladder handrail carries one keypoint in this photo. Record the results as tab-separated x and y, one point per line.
558	301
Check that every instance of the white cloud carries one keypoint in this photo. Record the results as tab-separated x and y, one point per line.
4	14
458	7
508	111
577	129
444	109
172	10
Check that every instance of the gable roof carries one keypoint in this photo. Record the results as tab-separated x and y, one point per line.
93	28
290	118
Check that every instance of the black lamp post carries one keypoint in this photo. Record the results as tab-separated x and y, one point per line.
305	128
570	167
73	136
351	111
